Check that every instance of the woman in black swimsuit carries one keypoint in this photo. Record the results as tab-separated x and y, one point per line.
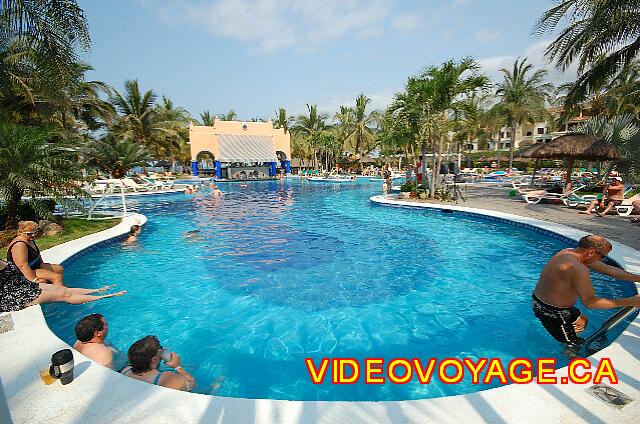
24	253
16	292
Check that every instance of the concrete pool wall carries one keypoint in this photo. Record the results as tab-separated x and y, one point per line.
100	395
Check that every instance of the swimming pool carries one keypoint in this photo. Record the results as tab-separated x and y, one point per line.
281	271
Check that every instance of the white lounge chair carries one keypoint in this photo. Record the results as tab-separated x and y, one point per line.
134	186
626	207
536	198
156	184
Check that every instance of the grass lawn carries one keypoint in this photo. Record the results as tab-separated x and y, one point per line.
73	228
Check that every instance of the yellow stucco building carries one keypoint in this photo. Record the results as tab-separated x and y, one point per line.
239	150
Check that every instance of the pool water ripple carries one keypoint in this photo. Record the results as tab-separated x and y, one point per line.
281	271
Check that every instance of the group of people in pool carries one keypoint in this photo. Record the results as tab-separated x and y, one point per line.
144	357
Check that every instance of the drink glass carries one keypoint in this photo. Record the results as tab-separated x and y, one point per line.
45	375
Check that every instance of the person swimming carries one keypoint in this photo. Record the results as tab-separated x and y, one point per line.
192	235
134	231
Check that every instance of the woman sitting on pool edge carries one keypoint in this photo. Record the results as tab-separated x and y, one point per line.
145	356
17	293
24	253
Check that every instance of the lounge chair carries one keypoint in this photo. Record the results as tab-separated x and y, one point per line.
626	207
576	200
134	186
536	198
157	184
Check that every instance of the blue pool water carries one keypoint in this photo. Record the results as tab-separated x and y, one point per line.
282	271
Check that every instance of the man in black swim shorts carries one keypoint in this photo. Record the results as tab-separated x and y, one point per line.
565	278
562	323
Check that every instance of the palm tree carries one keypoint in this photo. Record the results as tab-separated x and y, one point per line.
136	112
522	97
450	81
415	118
396	135
621	94
29	162
623	132
114	156
156	128
229	116
601	35
343	126
78	105
362	137
173	123
282	120
470	121
207	119
53	29
310	128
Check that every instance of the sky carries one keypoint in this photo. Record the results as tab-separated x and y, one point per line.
255	56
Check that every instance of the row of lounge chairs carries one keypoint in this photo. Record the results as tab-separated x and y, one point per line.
139	184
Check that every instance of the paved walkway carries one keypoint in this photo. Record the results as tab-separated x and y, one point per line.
614	227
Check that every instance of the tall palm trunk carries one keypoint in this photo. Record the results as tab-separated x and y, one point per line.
432	180
438	159
512	144
423	162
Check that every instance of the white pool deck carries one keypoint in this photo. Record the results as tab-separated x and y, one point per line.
99	395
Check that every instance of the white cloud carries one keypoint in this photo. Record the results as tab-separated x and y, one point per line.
271	25
487	35
535	55
406	22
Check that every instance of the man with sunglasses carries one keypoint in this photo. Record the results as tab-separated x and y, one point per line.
24	253
565	278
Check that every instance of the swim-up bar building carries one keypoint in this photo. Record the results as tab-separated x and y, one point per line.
237	150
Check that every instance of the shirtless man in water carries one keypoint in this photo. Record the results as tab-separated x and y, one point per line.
565	278
91	332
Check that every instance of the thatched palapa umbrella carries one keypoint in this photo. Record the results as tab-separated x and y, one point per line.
577	147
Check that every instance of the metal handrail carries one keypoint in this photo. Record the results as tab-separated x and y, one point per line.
613	321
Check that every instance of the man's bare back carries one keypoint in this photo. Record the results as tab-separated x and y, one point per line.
565	278
556	283
99	352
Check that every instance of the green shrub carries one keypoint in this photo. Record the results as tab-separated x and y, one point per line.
26	212
408	186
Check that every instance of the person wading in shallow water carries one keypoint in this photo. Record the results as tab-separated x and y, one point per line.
565	278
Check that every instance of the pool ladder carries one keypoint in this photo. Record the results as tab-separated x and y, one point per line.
613	321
